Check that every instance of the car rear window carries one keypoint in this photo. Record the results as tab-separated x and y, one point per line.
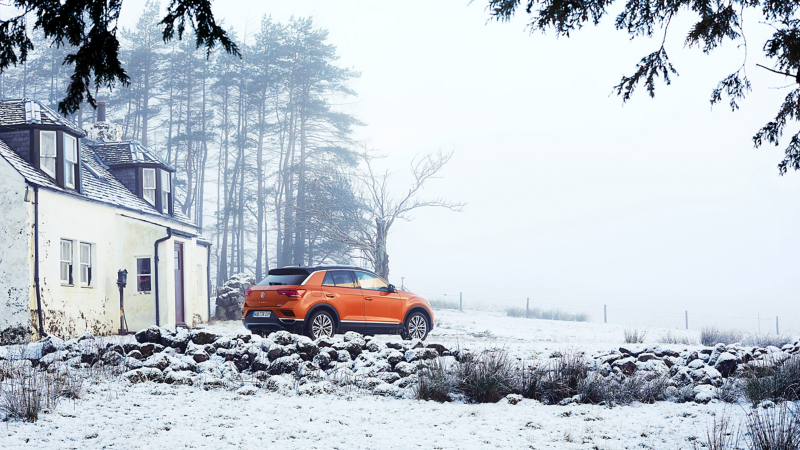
283	277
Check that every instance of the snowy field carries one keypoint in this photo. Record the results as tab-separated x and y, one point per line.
118	415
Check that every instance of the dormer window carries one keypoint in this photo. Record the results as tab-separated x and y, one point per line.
70	160
47	152
166	192
149	185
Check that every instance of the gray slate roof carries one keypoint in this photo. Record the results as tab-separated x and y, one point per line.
126	152
12	113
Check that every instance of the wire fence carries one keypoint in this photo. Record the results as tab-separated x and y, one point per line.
758	323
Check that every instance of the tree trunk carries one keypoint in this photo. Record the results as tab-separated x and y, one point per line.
260	195
381	257
300	224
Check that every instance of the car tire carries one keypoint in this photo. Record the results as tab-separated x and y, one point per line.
322	324
417	326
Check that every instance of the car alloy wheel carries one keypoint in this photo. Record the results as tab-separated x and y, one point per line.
321	326
417	327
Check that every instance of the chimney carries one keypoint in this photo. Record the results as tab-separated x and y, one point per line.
102	130
101	111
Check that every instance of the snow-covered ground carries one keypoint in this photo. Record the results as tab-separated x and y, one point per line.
118	415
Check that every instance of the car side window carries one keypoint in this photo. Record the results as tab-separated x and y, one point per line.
371	282
339	278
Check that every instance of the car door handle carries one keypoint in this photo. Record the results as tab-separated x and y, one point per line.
330	295
369	299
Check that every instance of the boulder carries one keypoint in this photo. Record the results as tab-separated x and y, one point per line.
357	338
626	365
281	337
386	390
420	354
312	389
277	383
726	364
203	337
247	390
284	364
405	369
646	357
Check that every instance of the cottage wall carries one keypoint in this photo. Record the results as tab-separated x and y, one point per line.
16	275
118	238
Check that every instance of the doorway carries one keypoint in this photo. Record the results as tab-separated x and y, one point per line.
180	318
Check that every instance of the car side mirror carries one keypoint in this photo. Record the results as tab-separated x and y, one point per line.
392	289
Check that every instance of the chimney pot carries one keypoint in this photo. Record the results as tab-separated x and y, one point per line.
101	111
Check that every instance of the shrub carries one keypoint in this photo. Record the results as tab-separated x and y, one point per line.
766	340
721	435
642	387
555	380
444	304
774	379
488	377
710	336
730	391
775	428
671	338
436	382
634	335
25	392
549	314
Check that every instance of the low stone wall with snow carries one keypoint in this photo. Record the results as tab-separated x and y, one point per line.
286	362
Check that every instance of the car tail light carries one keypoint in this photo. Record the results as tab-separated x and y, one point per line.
247	292
292	293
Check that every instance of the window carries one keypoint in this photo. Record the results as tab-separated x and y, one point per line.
66	262
371	282
149	185
47	152
143	275
70	160
165	191
339	278
86	264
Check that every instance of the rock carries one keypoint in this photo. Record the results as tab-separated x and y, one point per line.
304	344
160	361
368	382
247	390
441	349
178	377
395	345
358	339
631	351
51	358
277	383
513	399
322	360
403	383
281	337
203	337
261	363
696	364
324	342
200	357
626	365
726	364
353	348
386	390
284	364
132	363
420	354
392	356
311	389
704	394
646	357
667	353
388	377
134	376
376	346
405	369
112	358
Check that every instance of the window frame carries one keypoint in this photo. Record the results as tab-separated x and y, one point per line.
166	191
43	156
89	265
149	274
69	281
145	189
69	166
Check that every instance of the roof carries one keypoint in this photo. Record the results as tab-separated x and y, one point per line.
127	152
289	270
98	183
26	112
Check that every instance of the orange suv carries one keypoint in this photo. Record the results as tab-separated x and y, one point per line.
323	301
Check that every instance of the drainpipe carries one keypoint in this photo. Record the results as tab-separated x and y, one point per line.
36	260
155	274
208	279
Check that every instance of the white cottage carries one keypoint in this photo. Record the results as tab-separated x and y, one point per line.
75	209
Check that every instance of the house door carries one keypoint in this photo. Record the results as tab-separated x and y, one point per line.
179	313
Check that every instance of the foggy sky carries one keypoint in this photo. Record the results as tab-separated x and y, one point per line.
572	197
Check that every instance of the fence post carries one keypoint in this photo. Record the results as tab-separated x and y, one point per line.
777	329
605	314
687	319
461	302
527	306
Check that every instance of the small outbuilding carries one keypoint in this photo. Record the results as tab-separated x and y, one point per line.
79	210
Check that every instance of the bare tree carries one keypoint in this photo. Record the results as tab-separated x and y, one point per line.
368	229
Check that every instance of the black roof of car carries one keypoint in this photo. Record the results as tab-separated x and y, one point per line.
296	270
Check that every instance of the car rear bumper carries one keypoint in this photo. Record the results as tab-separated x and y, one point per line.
266	325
